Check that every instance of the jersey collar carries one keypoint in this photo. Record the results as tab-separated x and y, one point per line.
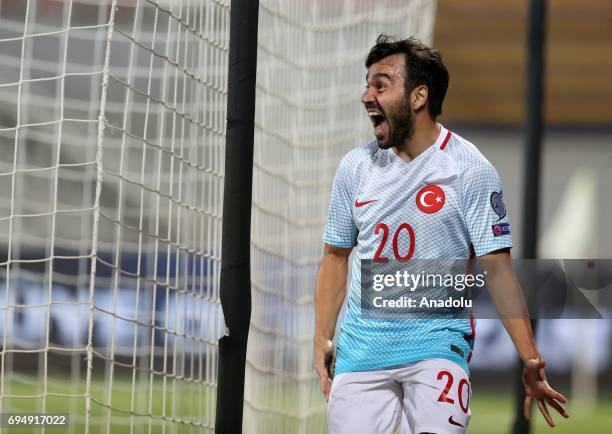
443	138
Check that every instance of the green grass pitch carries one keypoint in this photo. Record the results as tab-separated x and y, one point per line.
491	411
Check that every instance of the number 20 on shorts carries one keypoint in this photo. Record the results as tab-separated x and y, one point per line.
464	386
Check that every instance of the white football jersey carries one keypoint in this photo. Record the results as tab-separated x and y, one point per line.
445	204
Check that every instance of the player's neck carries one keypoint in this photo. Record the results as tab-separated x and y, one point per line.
426	132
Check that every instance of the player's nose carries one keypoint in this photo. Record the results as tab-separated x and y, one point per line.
367	97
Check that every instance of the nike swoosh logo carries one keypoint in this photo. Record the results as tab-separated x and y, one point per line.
452	422
366	202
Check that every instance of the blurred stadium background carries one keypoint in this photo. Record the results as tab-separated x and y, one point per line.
112	132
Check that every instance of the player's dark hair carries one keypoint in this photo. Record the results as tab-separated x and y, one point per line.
423	67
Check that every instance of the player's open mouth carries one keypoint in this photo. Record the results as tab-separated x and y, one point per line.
379	122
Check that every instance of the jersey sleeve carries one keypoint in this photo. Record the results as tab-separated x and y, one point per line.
340	229
484	210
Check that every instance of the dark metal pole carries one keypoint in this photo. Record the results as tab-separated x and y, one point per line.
235	285
533	151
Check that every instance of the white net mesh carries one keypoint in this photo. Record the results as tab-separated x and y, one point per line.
112	133
309	80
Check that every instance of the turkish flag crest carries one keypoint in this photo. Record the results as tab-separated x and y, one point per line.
430	199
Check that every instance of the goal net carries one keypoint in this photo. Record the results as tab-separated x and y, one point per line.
112	132
309	80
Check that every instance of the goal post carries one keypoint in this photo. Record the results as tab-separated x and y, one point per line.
235	288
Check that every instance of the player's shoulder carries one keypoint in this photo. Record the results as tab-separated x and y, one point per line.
356	157
362	152
467	157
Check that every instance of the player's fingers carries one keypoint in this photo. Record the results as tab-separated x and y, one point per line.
322	373
549	392
527	408
545	413
320	368
554	404
325	387
329	384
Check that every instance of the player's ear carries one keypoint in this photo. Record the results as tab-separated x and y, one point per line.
418	97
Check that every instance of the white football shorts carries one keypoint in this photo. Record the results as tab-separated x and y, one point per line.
432	396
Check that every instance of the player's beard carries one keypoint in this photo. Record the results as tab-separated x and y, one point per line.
401	125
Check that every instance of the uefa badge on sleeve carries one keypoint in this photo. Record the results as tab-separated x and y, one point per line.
497	203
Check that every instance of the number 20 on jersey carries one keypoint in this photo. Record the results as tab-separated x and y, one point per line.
402	231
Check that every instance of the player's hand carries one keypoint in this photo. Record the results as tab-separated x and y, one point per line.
538	390
325	361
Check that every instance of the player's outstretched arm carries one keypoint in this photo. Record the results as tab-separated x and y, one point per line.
507	295
330	290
